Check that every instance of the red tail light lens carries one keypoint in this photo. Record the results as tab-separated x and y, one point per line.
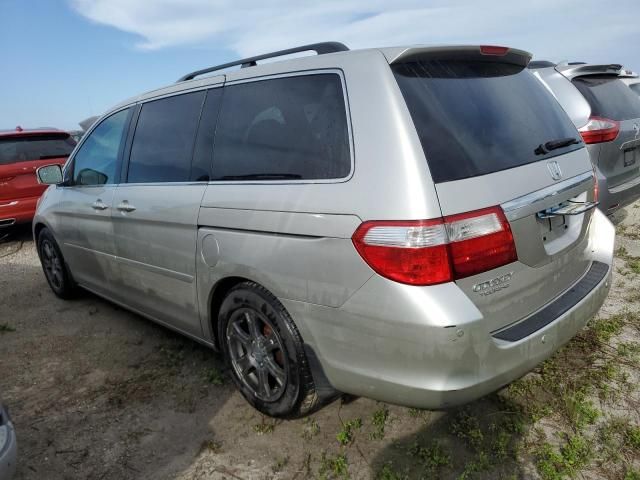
598	130
493	50
428	252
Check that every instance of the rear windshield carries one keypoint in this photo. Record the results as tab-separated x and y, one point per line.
34	147
609	97
475	117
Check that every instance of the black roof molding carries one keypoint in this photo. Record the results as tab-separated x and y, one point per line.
319	48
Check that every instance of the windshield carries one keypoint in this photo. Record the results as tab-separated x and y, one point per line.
478	117
35	147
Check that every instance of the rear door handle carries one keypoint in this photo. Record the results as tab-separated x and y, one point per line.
99	205
125	207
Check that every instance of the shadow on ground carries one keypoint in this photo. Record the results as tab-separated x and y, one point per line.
480	440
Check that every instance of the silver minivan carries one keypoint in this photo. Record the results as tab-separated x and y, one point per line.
607	114
414	225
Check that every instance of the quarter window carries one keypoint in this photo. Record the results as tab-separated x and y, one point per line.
96	163
163	141
292	128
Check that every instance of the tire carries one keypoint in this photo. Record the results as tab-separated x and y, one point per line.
265	353
54	267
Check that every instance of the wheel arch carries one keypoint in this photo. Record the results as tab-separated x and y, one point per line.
216	296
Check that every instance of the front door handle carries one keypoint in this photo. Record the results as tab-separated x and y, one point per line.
125	207
99	205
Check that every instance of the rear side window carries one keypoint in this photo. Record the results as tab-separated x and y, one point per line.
475	117
163	142
636	88
609	97
35	147
292	128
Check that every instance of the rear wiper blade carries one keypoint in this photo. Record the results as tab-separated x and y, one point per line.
262	176
555	144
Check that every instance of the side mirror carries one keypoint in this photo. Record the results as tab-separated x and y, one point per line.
49	174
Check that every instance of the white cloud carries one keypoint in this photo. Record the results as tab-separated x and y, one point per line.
556	29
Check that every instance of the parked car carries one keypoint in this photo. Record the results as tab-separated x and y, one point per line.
8	445
611	128
21	153
632	80
415	225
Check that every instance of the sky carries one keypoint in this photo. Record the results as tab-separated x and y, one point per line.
65	60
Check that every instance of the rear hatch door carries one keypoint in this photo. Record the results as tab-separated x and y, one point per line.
21	155
493	135
610	98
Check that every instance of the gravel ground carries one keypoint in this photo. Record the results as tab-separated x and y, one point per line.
98	392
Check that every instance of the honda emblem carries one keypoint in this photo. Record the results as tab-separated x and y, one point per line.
554	170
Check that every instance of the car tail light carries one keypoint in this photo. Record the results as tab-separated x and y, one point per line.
599	129
428	252
493	50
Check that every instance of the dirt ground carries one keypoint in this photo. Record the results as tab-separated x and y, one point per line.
98	392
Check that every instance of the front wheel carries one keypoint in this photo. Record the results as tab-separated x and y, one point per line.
265	353
54	266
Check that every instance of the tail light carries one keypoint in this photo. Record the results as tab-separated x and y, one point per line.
428	252
599	129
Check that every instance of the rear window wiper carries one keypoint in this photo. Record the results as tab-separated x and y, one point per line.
544	148
262	176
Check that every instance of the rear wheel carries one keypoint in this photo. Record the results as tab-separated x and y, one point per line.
54	266
265	353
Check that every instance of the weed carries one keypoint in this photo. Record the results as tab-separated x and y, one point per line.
333	467
632	474
572	457
579	409
280	464
211	446
214	376
379	420
5	328
310	428
632	437
431	457
466	427
345	436
387	473
264	427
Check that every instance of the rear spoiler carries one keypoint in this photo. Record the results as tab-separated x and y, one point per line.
577	70
487	53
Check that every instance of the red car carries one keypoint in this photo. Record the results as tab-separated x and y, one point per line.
21	153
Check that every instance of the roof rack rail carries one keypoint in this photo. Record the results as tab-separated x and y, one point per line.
319	48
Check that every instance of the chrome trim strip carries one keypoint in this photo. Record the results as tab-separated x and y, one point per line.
539	195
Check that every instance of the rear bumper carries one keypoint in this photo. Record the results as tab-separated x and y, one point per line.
20	210
398	344
612	199
8	447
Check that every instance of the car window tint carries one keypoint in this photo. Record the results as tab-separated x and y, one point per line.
286	128
476	117
35	147
636	88
203	151
163	140
609	97
96	163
